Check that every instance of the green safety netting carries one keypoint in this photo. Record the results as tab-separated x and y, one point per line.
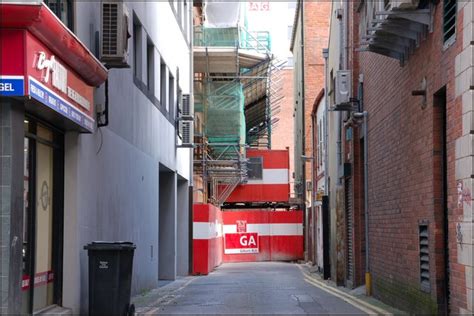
223	106
224	37
232	37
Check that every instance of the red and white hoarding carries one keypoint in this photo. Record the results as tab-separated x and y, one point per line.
240	243
274	185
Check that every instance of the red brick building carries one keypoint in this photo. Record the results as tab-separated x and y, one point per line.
310	36
412	72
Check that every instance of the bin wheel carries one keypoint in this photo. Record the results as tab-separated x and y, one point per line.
131	310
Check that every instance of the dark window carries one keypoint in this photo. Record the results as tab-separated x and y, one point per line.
150	60
163	91
137	48
449	19
64	10
171	94
255	168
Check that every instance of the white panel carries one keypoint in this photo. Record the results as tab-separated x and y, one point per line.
269	229
205	230
272	176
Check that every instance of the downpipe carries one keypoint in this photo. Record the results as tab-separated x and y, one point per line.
368	277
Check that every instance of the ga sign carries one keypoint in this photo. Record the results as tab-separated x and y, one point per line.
238	243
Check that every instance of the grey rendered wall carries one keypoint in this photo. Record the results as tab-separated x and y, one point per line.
11	204
112	176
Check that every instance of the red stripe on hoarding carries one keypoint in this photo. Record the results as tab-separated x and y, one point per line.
260	193
272	159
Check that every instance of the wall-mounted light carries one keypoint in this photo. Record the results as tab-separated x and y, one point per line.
422	93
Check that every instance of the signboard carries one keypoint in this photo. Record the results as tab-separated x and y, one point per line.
259	5
12	86
241	243
29	68
57	86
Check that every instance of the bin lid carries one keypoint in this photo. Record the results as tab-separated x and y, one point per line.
110	245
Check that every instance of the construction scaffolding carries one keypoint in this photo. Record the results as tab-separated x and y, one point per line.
232	94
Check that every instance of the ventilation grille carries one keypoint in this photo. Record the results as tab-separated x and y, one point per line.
187	133
349	232
449	19
186	105
110	29
424	259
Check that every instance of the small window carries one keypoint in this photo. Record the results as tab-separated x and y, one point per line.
150	61
449	20
255	168
64	10
171	95
163	79
137	48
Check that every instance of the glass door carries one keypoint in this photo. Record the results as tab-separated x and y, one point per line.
40	258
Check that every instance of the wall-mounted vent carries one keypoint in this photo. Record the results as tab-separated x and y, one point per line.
186	122
114	34
424	258
449	19
343	86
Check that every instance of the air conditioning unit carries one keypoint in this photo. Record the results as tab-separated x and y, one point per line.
186	122
343	86
114	34
404	4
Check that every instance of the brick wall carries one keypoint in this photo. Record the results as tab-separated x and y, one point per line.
283	132
404	175
317	19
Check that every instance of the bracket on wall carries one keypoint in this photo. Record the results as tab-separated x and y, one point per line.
421	92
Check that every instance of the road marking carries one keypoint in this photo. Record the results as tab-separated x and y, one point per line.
164	300
364	306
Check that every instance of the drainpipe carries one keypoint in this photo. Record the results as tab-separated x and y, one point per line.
191	154
368	277
325	122
303	167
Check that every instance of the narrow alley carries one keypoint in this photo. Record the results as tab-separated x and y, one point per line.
245	288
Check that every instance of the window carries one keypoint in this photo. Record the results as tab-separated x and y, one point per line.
137	48
449	20
150	61
170	105
320	143
255	168
163	79
64	10
290	32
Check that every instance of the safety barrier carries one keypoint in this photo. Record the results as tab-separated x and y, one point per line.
207	238
262	235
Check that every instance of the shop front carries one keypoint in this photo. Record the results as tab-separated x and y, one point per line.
47	81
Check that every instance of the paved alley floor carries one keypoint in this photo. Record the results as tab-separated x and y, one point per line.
245	288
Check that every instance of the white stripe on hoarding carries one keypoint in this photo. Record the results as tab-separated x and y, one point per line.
272	176
206	230
269	229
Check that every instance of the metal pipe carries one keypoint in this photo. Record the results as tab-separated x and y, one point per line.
368	279
325	122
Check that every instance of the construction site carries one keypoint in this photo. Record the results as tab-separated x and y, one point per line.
241	185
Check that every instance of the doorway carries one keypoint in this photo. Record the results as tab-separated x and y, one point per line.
167	226
42	216
440	189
